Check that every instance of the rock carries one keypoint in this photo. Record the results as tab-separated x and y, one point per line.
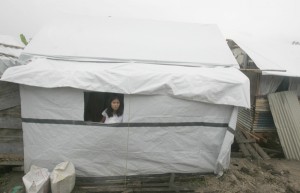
293	188
267	167
275	172
245	170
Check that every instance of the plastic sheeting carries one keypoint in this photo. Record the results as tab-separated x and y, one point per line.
217	85
102	150
160	108
126	40
274	56
56	103
6	62
223	160
269	84
9	40
10	50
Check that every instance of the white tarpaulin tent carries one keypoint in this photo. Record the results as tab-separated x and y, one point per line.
181	90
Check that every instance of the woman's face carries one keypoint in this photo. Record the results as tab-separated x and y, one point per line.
115	104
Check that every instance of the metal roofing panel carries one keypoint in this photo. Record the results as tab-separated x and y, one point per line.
285	109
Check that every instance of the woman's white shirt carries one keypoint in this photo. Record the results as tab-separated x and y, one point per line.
114	119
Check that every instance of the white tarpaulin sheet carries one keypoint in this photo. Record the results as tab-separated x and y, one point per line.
217	85
11	41
145	41
10	50
101	150
274	56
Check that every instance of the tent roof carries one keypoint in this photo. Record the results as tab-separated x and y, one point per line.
273	55
10	41
127	40
10	50
217	85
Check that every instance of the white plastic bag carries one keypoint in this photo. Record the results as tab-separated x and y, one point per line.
63	178
37	180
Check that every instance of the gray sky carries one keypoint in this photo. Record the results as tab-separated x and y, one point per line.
256	16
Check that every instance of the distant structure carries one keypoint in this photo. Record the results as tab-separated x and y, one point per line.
266	77
11	136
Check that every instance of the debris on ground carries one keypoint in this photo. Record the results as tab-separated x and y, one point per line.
243	175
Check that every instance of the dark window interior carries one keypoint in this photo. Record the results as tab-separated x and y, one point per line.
95	103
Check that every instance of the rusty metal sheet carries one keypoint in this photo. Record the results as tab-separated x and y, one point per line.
285	109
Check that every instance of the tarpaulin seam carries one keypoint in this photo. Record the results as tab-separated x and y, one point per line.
143	124
231	130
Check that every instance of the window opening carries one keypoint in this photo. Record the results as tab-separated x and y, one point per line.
96	102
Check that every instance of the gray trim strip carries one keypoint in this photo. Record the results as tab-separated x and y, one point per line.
74	122
11	46
124	60
232	131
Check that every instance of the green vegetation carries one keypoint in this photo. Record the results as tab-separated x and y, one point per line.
23	39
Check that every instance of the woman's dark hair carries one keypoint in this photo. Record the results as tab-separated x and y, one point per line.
110	111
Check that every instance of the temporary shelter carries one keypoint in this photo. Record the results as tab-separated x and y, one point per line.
272	65
11	143
181	88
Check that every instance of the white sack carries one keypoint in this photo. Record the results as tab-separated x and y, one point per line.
37	180
63	178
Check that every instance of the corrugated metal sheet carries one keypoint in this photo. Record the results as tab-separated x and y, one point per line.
285	109
258	118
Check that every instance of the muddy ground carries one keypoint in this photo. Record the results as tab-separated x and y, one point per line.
274	175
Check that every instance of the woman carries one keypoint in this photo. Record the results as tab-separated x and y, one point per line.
114	112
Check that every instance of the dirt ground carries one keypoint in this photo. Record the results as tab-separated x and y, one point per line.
274	175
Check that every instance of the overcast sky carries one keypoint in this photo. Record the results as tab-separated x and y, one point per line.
264	16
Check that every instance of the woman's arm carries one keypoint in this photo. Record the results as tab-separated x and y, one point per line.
103	119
